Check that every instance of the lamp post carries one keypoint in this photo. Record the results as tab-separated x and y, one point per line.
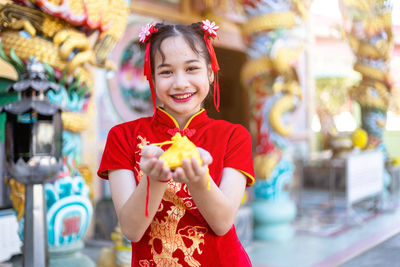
33	154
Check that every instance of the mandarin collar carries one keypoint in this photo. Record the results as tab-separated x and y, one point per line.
164	118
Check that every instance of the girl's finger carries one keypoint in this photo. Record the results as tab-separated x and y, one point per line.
147	152
166	173
197	169
187	168
179	176
157	151
156	171
151	151
147	165
205	156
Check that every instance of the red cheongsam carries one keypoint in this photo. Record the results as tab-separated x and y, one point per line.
179	235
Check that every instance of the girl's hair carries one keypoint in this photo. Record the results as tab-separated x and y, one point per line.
193	34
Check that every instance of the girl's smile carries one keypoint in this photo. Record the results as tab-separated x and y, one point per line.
182	97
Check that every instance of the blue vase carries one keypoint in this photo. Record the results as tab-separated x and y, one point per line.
273	219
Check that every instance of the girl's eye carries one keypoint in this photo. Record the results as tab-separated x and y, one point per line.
192	68
165	72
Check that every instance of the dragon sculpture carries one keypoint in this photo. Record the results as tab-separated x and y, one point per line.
368	29
58	32
275	41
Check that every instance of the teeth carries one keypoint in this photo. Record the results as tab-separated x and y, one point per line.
182	96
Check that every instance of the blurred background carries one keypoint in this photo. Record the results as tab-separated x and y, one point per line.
315	82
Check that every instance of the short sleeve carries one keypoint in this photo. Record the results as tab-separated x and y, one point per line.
239	153
118	152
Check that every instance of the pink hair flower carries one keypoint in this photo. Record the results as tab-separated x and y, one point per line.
210	27
146	32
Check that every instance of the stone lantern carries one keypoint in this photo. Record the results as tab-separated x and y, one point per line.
33	153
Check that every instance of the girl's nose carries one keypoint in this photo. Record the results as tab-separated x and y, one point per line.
181	81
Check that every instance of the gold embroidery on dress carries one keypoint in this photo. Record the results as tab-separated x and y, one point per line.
172	238
146	263
139	173
142	142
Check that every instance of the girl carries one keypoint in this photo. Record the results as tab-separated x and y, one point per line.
177	218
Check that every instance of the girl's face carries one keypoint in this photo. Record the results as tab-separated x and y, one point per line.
182	80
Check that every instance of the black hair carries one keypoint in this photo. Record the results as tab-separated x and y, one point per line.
193	34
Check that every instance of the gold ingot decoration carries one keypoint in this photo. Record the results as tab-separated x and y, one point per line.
181	148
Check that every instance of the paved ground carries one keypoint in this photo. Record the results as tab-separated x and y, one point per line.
382	255
374	243
385	254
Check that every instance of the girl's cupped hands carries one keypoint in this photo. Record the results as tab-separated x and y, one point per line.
191	171
152	166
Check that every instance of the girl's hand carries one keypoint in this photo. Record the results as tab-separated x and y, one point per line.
191	171
152	166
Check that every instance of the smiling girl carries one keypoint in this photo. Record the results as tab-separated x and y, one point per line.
175	218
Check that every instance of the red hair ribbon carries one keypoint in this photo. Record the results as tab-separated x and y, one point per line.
210	32
144	37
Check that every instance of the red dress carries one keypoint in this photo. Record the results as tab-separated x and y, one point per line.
179	235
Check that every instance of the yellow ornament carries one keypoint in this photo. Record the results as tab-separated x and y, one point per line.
360	138
181	148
